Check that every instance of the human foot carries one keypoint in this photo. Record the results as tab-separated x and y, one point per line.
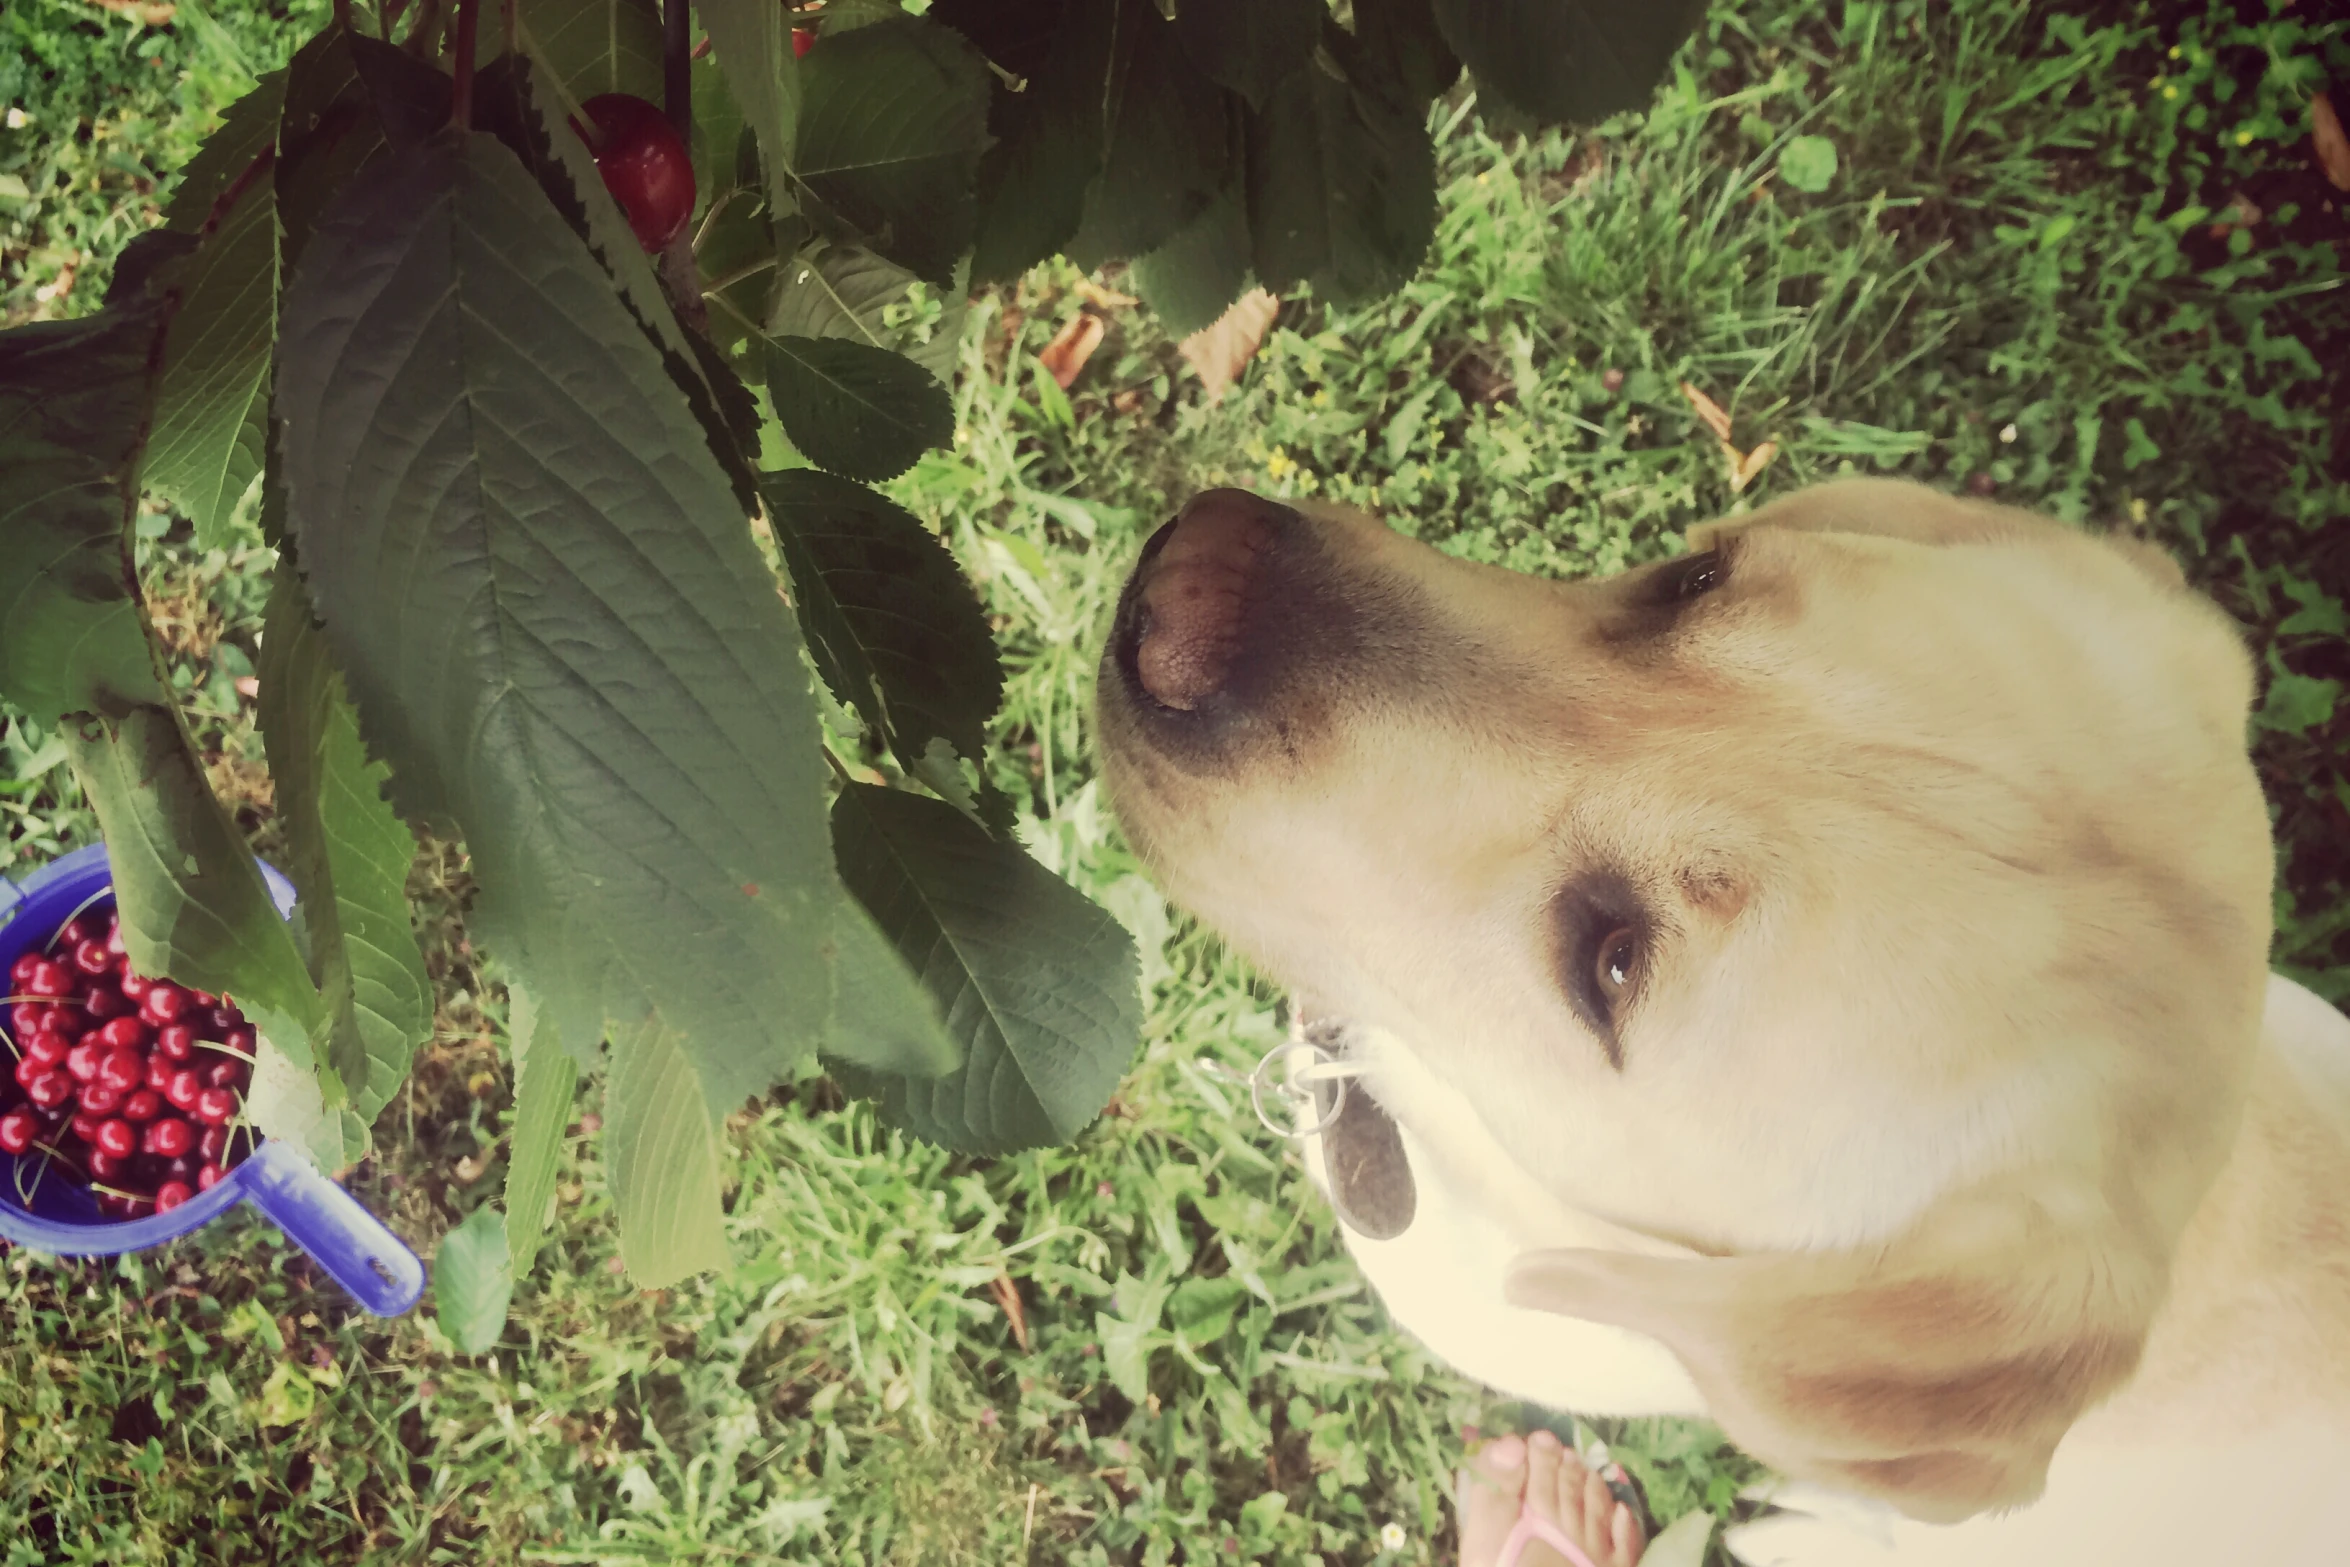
1540	1477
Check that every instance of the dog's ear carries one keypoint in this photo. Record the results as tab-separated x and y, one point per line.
1938	1373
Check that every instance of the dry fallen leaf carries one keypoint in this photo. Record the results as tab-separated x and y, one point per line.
1104	298
155	13
1744	467
1071	347
2333	146
1223	348
1708	411
1007	1295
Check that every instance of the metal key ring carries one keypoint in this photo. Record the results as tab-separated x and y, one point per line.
1260	1082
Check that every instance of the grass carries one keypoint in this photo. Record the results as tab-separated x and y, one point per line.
2029	275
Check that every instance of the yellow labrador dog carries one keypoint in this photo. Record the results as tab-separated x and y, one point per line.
1818	982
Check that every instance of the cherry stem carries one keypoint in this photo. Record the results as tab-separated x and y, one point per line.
82	907
461	98
677	72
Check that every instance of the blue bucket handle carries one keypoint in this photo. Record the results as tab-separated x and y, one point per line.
353	1245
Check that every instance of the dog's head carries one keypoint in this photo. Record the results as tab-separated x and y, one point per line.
1875	898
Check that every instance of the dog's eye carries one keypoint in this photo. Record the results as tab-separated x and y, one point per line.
1693	576
1616	964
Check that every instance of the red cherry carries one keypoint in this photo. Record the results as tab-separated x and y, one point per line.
17	1131
125	1033
27	1069
22	969
211	1143
224	1072
175	1041
645	166
84	1126
142	1104
117	1139
242	1040
47	977
98	1099
135	986
216	1105
205	1000
224	1017
183	1088
169	1137
107	1168
114	942
50	1090
25	1017
165	1003
159	1070
207	1176
171	1194
101	1001
68	1021
92	958
77	930
48	1047
803	39
123	1070
81	1062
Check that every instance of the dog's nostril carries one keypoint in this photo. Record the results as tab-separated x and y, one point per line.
1198	575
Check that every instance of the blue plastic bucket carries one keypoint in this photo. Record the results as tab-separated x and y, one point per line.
350	1243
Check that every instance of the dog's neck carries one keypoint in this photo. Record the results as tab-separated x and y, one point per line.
2258	1319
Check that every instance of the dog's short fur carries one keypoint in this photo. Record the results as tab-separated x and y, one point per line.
1944	1122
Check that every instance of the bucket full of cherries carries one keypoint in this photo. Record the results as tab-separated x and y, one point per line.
122	1118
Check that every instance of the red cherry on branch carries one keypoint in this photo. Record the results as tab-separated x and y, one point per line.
644	163
803	39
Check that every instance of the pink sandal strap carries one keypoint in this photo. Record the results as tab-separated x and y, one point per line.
1531	1526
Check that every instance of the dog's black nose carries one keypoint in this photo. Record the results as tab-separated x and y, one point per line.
1188	605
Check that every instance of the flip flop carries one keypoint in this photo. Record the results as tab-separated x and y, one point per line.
1532	1526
